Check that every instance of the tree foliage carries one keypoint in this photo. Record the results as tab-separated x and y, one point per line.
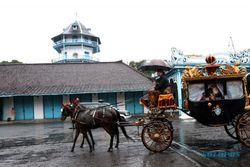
135	64
11	62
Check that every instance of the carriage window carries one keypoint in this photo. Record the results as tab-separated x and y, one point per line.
234	90
196	91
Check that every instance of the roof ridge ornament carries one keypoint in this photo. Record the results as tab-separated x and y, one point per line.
211	66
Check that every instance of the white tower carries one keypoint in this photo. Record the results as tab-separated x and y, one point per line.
76	44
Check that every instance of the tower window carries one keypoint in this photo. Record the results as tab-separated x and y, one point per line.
86	55
74	27
74	38
75	55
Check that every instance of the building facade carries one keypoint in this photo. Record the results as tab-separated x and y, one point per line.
37	91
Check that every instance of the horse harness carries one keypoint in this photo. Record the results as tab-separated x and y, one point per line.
92	113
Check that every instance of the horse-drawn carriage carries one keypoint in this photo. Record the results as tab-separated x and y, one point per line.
215	95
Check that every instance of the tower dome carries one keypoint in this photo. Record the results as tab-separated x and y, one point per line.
76	44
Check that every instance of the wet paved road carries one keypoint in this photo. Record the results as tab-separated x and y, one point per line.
203	139
49	145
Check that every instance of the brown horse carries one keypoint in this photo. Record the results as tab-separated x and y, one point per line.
70	109
105	117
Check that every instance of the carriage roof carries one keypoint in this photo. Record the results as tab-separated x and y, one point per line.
202	78
213	72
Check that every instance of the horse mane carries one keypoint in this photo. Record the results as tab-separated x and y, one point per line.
82	107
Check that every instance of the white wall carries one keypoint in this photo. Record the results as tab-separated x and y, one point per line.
38	107
66	99
94	97
8	104
121	100
76	49
145	109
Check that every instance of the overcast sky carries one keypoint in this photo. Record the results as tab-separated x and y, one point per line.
128	29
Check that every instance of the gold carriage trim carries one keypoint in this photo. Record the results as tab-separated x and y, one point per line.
214	72
156	100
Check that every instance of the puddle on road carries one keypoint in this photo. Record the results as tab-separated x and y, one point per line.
54	125
27	141
212	144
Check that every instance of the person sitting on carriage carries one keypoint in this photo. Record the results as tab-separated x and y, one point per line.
161	82
160	86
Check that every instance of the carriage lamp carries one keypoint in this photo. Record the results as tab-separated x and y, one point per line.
209	104
217	110
185	104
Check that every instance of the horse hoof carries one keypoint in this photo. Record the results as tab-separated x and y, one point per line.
81	146
72	150
116	146
110	150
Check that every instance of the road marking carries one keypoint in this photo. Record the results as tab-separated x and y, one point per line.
194	156
189	159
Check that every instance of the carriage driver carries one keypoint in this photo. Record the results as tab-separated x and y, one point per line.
160	86
161	82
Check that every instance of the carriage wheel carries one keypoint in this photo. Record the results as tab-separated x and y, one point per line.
243	129
230	129
157	136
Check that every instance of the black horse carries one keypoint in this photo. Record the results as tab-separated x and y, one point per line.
86	119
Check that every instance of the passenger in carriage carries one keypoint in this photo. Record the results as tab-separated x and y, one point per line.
203	97
215	93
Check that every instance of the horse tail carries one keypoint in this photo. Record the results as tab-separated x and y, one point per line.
125	133
121	119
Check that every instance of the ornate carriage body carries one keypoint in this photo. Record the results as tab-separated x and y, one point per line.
209	109
215	95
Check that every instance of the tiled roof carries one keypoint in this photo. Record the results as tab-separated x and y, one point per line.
79	30
49	79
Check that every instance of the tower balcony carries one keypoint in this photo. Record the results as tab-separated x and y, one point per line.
79	59
76	42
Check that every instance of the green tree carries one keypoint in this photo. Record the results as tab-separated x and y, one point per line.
136	65
15	61
11	62
4	62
